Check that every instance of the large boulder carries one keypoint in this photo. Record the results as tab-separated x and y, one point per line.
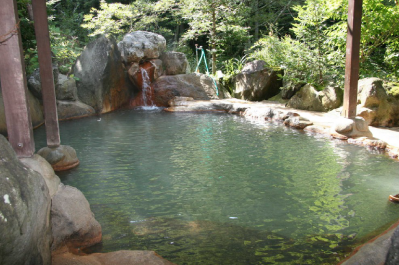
40	165
66	88
67	109
101	79
24	212
254	66
290	89
308	98
72	221
35	108
141	45
257	83
175	63
375	105
196	86
34	83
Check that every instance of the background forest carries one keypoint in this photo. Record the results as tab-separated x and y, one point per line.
306	38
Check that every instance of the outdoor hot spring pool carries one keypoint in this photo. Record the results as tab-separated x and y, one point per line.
218	189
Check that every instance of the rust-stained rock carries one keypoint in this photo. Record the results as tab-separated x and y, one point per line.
100	76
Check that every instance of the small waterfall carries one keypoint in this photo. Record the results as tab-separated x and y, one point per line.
147	90
143	78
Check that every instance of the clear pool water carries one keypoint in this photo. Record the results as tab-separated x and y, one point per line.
218	189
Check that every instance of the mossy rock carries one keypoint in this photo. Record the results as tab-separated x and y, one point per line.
393	89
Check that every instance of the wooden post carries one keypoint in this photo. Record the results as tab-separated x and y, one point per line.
352	58
46	72
13	81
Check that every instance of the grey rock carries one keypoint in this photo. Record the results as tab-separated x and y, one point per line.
24	212
254	66
376	105
34	83
197	86
40	165
351	128
35	108
289	89
175	63
392	257
256	85
308	98
141	45
73	109
66	89
101	79
375	252
72	221
297	122
331	97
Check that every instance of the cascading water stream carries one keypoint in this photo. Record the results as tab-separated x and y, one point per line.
143	78
147	90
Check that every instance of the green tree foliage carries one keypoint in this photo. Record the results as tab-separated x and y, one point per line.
317	52
118	19
265	14
379	48
28	35
305	37
309	57
219	21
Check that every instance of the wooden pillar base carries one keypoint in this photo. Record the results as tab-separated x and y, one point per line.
60	158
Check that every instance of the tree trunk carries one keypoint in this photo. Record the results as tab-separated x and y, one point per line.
176	40
256	35
213	39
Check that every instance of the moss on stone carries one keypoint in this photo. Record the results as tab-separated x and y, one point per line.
392	89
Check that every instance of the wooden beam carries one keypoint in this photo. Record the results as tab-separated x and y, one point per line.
46	72
13	81
352	58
